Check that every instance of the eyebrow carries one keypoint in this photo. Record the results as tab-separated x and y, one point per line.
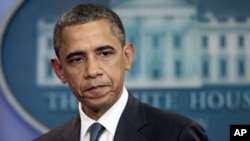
76	53
101	48
98	49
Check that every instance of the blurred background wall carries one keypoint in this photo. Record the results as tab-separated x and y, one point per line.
192	57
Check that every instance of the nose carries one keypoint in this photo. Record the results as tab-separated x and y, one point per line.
93	68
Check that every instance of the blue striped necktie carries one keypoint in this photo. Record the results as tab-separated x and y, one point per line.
96	131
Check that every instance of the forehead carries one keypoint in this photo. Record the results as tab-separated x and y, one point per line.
98	31
92	34
99	27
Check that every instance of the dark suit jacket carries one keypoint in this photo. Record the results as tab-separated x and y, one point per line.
139	122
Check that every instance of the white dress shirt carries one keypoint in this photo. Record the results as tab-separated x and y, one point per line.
109	119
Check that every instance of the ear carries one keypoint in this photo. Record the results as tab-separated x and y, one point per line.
129	53
57	67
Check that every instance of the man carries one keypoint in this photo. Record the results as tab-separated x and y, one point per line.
92	57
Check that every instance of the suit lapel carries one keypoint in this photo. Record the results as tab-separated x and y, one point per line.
72	130
132	120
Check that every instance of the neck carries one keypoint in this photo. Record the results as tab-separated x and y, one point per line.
95	114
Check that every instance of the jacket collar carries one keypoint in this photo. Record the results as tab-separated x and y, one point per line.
132	120
72	132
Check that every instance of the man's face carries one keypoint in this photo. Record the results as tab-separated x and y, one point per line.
93	63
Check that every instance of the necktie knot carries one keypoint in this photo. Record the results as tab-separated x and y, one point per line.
96	131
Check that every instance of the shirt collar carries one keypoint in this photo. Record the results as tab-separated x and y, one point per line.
108	120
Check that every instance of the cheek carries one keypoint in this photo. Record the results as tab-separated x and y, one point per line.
114	67
73	76
115	72
75	83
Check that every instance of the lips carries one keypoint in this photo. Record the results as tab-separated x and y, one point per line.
94	87
95	92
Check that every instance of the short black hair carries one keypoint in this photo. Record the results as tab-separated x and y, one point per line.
85	13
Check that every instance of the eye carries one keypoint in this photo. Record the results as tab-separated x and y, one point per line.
76	59
105	53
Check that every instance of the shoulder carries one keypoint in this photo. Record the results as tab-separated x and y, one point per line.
173	125
62	131
159	116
